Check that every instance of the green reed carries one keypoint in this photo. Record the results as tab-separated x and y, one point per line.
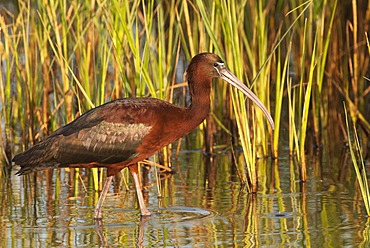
63	58
313	43
358	162
281	75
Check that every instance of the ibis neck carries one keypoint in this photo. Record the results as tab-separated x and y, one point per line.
200	102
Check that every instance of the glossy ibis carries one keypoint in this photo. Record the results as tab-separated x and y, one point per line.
123	132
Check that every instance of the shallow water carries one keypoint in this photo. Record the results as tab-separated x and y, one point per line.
194	210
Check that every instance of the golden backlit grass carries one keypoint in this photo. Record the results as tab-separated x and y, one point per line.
61	58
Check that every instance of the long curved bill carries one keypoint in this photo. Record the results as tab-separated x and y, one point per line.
226	75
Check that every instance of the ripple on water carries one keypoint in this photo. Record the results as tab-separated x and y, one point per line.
163	216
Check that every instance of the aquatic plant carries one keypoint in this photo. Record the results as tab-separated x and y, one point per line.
60	59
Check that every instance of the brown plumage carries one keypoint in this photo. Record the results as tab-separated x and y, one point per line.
121	133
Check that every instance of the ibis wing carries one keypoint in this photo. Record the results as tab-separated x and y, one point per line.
110	133
106	142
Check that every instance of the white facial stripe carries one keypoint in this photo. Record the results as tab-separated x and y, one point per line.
218	66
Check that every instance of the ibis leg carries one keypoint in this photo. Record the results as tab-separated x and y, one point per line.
134	172
103	194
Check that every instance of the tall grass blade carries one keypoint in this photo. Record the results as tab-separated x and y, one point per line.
358	163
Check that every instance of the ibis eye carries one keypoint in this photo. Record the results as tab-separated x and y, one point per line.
217	64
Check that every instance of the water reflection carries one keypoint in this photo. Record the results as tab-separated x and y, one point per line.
202	205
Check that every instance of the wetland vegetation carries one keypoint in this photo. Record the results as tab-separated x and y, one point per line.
308	62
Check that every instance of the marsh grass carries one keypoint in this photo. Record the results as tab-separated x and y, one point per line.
357	159
62	58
